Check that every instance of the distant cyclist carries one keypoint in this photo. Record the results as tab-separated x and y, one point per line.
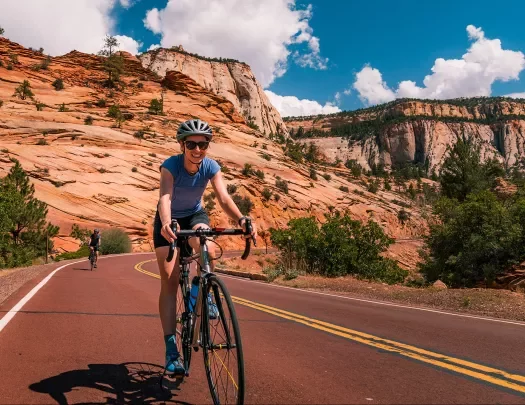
183	179
94	244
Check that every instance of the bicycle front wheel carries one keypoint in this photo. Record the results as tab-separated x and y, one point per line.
223	357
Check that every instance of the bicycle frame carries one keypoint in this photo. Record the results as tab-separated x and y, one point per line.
205	267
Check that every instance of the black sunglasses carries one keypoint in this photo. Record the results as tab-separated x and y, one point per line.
192	145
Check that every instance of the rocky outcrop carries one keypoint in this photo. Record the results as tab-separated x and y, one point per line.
233	81
420	132
97	174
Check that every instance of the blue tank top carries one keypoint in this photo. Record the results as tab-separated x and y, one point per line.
188	190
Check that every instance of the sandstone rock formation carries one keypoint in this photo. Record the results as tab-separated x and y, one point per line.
100	175
419	132
233	81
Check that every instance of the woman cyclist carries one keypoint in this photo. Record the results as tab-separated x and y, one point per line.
183	179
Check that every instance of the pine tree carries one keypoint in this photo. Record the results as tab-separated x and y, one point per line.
114	64
24	90
24	228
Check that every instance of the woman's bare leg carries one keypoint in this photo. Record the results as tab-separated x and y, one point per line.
169	283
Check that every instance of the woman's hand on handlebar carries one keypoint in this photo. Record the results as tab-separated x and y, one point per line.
168	233
254	230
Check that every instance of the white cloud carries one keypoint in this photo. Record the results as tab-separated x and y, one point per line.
338	96
60	26
292	106
371	87
473	75
125	3
516	95
128	44
259	33
153	47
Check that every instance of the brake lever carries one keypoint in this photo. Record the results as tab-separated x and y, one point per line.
173	245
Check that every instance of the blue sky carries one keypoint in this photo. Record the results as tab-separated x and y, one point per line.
400	39
307	52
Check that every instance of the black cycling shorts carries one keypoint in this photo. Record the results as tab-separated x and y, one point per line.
95	248
186	223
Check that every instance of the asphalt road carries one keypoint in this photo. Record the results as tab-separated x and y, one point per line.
95	337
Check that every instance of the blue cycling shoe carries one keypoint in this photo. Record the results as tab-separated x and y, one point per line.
174	363
213	311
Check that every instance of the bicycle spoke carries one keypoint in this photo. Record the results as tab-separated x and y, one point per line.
223	354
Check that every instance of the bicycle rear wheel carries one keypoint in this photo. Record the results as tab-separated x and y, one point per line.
222	346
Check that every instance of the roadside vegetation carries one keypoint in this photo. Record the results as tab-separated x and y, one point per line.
23	225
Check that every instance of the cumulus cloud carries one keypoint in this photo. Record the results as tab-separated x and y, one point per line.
126	3
516	95
292	106
153	47
60	26
260	33
128	44
371	87
484	63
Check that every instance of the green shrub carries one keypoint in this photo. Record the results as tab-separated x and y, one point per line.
134	169
9	66
266	156
259	174
403	216
244	204
63	108
83	251
88	120
58	84
373	186
276	197
474	241
247	170
140	135
354	167
155	107
231	188
39	106
24	90
114	241
282	185
140	85
101	103
114	111
152	154
313	173
42	142
327	177
266	194
344	189
338	247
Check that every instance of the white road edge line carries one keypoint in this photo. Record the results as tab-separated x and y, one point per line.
389	304
7	317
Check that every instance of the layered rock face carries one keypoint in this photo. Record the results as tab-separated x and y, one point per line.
95	174
420	132
233	81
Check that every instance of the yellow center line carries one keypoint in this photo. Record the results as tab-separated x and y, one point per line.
488	374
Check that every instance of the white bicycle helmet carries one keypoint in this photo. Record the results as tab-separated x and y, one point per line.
194	127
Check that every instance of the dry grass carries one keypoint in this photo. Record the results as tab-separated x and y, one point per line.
488	302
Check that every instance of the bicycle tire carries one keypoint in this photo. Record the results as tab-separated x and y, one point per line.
217	285
184	345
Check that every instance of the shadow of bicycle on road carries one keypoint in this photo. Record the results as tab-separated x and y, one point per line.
127	383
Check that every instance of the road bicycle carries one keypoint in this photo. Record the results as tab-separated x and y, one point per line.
206	317
92	258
